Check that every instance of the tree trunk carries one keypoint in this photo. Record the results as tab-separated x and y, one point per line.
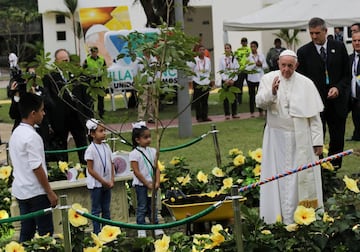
152	19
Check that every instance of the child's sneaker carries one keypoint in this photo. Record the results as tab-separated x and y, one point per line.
141	233
159	232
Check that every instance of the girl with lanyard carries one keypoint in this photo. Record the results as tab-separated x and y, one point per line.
228	67
100	172
142	160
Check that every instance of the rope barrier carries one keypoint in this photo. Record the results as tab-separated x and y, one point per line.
64	151
26	216
300	168
122	141
151	226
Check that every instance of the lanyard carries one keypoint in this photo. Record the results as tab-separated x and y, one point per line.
147	161
198	63
102	161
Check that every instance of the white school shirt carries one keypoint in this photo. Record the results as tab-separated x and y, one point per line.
26	150
228	64
202	70
100	154
144	166
256	77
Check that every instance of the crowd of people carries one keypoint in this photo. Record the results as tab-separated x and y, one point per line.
303	93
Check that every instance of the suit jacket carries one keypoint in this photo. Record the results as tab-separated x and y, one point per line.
312	66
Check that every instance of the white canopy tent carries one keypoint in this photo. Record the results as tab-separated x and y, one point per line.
295	14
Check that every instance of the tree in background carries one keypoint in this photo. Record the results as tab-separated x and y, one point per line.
157	11
73	15
20	22
290	37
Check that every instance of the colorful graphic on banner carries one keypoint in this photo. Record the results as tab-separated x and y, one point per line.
95	22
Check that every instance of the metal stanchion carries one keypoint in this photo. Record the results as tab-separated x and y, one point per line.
216	145
65	223
237	225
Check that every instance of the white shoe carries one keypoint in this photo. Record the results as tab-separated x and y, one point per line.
159	232
141	233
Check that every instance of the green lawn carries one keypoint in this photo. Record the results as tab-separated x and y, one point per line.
243	134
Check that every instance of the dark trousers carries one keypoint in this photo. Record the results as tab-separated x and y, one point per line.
253	88
336	125
240	84
100	105
227	105
355	112
200	99
43	224
100	204
143	208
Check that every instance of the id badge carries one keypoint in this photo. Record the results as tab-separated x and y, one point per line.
149	193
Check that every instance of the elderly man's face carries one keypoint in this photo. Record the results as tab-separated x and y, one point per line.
287	66
318	35
62	56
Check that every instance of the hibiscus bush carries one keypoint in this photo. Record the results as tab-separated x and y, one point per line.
240	170
59	171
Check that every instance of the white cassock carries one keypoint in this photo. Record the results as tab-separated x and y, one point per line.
293	127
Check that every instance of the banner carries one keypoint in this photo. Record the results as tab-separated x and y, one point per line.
95	22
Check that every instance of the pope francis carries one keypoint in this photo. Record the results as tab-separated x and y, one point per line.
293	136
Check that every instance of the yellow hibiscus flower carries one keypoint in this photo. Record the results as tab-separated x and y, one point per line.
256	155
175	160
163	178
304	216
186	180
109	233
14	247
235	152
351	184
81	175
96	240
92	249
161	166
278	218
163	244
291	227
257	170
76	219
202	177
227	183
3	214
239	160
212	194
266	232
63	166
78	166
327	166
216	239
5	172
327	218
217	172
216	228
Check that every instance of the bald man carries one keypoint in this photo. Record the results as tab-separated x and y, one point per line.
293	136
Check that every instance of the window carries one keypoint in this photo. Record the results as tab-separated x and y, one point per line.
60	19
61	35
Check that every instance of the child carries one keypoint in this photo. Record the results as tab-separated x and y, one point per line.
100	172
142	159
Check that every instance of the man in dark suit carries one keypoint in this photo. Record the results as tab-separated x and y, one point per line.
326	63
355	85
64	112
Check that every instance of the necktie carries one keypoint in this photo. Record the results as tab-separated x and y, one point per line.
323	54
357	87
